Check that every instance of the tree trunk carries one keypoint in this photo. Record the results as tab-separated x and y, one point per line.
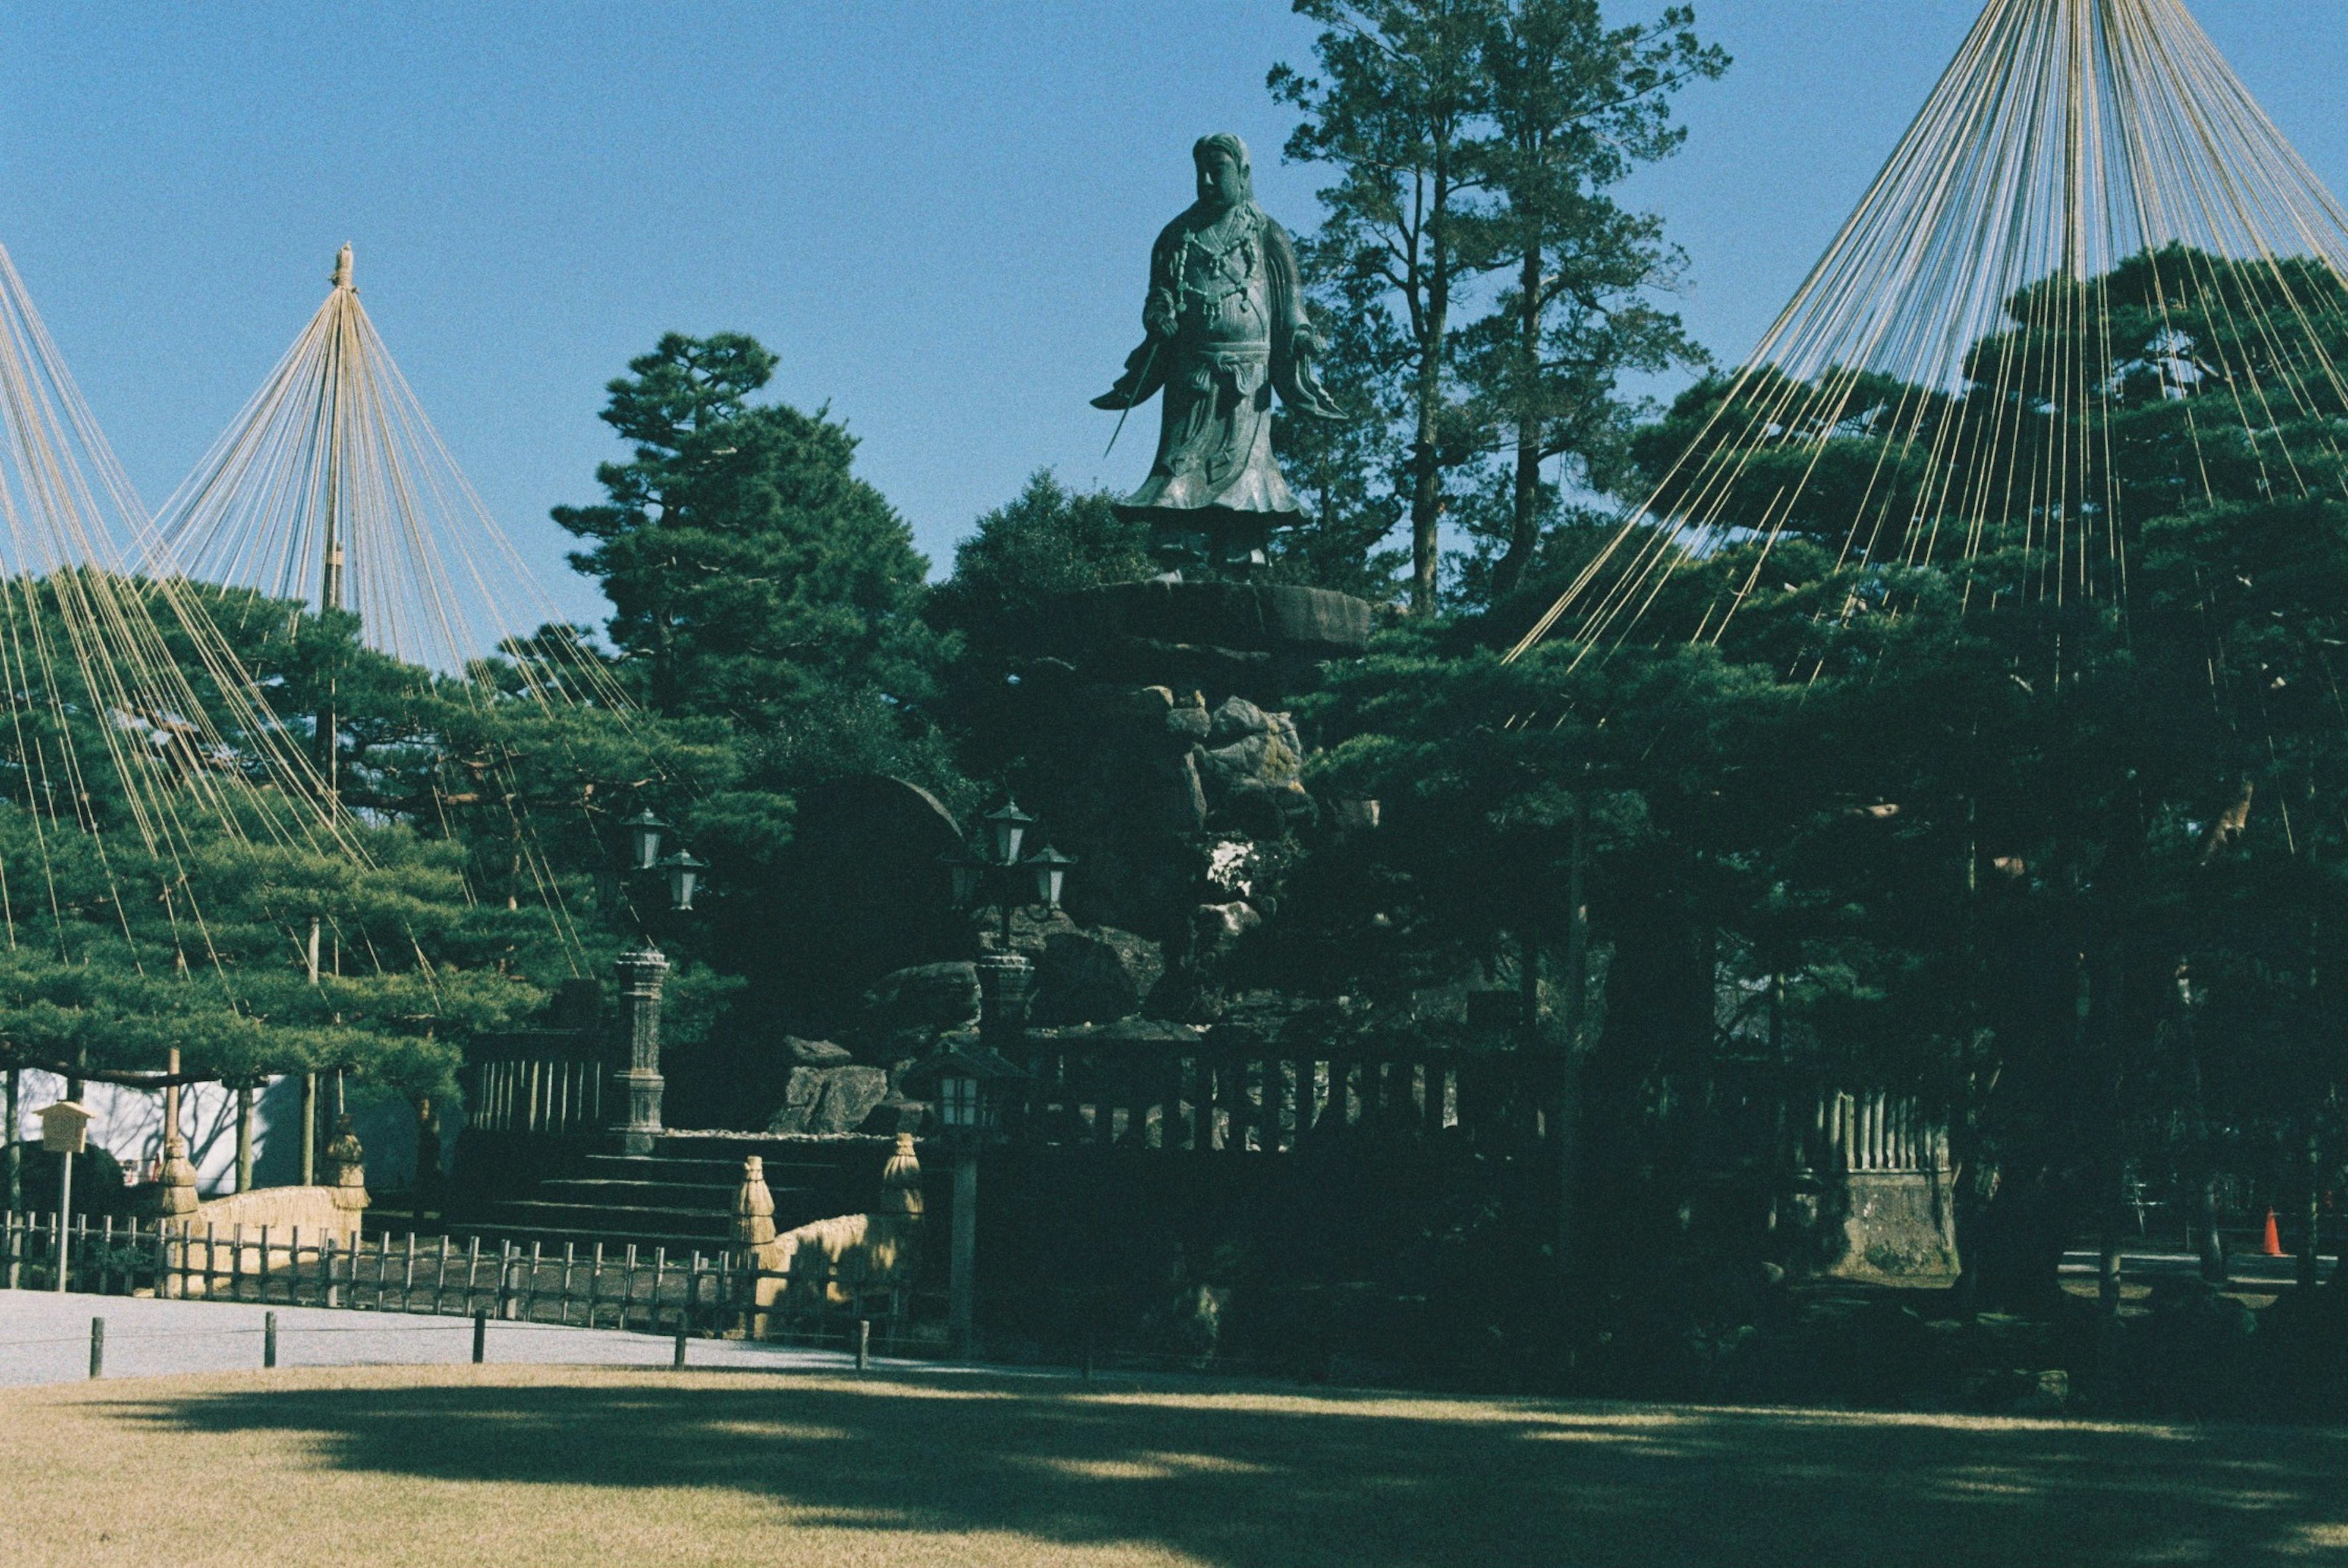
1427	469
2311	1232
1576	986
1524	530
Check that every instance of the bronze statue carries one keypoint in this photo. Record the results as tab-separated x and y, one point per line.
1225	326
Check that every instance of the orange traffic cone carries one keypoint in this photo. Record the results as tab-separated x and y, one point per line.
2270	1245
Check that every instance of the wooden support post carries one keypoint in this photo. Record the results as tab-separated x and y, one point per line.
962	1280
245	1137
97	1346
2311	1232
12	1152
480	1336
310	1113
269	1340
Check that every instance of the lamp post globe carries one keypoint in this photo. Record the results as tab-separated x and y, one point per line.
1050	870
644	830
1009	825
684	875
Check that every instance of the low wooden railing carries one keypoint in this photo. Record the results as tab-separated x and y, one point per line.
593	1287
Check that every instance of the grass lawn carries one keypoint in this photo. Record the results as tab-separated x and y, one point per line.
523	1465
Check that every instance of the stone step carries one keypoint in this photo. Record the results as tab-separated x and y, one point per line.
639	1215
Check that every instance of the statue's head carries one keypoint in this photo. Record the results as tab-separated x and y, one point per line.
1225	180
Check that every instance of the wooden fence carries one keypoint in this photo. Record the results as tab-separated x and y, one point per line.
1152	1095
710	1293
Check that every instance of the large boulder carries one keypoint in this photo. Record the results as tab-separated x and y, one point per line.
1217	928
1094	976
829	1099
927	997
816	1053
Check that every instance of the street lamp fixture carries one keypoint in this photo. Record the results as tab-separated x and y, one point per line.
1050	870
1010	826
644	830
683	875
1003	878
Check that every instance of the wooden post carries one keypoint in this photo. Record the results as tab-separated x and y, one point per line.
963	1279
427	1160
64	1207
480	1335
97	1346
268	1339
245	1137
12	1152
310	1103
2312	1231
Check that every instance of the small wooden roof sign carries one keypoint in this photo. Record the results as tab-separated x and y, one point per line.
64	1127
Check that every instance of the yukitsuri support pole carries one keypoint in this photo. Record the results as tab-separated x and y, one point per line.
310	1102
13	1147
245	1137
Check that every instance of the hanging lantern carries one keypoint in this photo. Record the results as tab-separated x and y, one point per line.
1010	826
684	875
644	831
1050	870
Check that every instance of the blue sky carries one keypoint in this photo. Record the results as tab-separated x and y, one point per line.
936	211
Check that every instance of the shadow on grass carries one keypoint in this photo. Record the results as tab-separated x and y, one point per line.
1273	1482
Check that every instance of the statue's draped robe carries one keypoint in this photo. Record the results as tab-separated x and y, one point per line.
1224	315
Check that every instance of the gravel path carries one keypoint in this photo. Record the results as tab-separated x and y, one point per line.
45	1339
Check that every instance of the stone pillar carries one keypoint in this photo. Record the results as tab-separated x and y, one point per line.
641	974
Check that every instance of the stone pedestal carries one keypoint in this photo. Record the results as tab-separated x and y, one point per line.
1873	1195
1260	640
1160	729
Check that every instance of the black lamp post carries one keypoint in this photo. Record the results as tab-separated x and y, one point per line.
643	971
966	1086
999	876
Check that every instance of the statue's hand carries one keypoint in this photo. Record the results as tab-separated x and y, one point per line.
1158	317
1313	400
1136	384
